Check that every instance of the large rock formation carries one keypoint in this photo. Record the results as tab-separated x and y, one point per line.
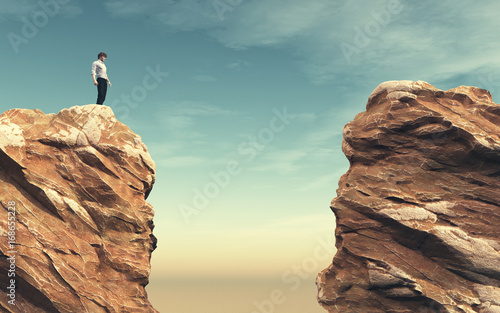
77	182
418	212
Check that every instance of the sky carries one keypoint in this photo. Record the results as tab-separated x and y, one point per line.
241	104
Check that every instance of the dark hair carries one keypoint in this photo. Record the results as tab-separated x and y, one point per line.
102	54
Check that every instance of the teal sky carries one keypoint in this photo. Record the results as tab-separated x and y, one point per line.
242	192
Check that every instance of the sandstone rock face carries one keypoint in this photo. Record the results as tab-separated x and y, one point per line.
418	212
77	183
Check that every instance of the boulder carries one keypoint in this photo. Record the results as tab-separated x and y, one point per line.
76	227
418	212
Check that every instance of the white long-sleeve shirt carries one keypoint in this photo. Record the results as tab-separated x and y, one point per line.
99	69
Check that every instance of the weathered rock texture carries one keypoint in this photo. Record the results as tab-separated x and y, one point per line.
418	212
83	236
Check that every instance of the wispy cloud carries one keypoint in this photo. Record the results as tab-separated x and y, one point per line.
185	15
183	115
15	10
238	65
319	182
182	161
253	23
175	154
281	161
199	109
313	156
274	23
175	122
422	41
187	127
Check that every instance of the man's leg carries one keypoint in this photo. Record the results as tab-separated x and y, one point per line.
102	88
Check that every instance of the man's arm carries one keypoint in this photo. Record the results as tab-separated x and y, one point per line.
95	81
94	66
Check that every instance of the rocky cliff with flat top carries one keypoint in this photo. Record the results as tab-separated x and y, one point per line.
418	212
76	227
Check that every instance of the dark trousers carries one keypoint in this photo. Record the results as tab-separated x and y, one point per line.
102	88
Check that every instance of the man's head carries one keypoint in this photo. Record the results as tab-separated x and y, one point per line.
102	56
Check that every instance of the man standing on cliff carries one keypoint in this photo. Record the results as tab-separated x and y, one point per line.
102	81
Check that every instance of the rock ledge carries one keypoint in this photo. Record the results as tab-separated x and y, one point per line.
77	182
419	209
